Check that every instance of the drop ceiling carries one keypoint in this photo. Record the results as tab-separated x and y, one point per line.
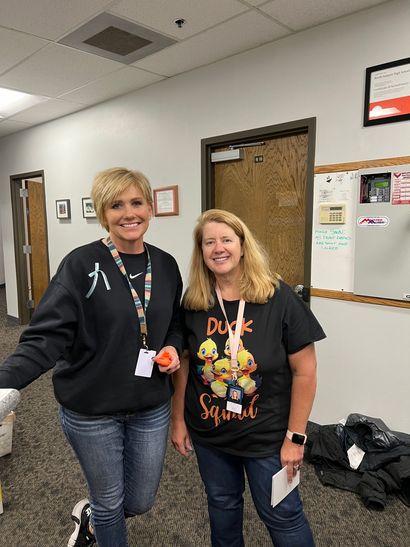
40	55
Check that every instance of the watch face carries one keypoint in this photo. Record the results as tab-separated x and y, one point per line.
298	439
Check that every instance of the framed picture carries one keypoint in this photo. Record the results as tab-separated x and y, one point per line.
166	201
63	209
387	93
88	208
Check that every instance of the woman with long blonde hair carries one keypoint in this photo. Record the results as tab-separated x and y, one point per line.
247	381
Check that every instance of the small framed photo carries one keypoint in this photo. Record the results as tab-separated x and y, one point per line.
387	93
88	208
63	209
166	201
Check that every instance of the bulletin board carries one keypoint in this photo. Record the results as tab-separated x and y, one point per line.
333	247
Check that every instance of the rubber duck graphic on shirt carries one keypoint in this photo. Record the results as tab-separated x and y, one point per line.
207	352
217	373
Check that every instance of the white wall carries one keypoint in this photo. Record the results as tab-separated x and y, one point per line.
318	73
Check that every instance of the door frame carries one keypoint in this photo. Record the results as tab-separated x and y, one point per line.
306	125
18	236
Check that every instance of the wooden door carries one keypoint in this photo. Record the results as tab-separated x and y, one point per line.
37	231
30	241
270	189
266	189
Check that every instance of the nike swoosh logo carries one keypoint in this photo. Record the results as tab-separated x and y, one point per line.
136	275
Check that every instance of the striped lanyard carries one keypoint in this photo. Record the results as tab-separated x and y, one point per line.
233	338
147	289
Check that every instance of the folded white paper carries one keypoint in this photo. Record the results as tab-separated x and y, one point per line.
281	487
355	455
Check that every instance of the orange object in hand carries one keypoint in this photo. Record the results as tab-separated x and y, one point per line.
164	360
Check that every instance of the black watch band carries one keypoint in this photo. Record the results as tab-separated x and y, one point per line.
297	438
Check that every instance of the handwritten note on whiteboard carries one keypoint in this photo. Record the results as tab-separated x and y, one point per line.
332	239
333	245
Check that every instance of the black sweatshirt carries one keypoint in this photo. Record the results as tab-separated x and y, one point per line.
93	343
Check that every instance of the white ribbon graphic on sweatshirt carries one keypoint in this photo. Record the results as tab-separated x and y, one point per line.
94	274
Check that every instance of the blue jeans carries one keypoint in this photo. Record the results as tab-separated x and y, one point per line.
224	480
121	456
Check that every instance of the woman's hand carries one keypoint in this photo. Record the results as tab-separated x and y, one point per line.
291	455
180	437
174	359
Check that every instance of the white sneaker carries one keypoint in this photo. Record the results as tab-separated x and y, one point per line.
81	537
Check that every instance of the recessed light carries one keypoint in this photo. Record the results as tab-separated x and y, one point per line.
12	101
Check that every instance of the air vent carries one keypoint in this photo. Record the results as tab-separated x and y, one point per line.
117	39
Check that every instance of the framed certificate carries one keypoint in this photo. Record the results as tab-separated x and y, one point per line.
387	93
166	201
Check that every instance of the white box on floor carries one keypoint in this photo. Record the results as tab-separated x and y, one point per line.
6	434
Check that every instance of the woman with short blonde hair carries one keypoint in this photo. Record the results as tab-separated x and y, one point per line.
111	307
108	184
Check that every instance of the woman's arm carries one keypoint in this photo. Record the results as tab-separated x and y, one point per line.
303	367
174	336
179	432
44	341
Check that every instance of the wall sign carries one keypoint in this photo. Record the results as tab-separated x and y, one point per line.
387	93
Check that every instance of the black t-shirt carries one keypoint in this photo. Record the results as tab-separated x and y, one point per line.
270	332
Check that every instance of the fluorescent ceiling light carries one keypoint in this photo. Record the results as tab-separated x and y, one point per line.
12	101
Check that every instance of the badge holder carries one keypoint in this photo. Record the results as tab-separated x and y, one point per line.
145	363
234	399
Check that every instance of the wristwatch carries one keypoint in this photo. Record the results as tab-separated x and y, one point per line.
297	438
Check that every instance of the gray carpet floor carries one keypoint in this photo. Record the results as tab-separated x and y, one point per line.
42	481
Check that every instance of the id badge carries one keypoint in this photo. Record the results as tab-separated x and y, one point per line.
145	364
234	399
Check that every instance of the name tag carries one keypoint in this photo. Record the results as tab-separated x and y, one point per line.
234	399
145	364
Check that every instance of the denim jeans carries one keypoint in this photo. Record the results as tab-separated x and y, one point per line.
121	456
224	480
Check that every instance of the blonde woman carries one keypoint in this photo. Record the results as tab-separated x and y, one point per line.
248	414
111	306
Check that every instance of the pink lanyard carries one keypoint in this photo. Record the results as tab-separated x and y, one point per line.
233	338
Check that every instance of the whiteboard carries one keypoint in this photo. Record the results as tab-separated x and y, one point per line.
333	245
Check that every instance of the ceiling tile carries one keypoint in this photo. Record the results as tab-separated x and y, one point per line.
123	81
161	14
46	111
301	14
48	18
215	29
241	33
57	69
23	46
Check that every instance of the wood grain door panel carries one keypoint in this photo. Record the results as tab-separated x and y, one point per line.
38	239
267	189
